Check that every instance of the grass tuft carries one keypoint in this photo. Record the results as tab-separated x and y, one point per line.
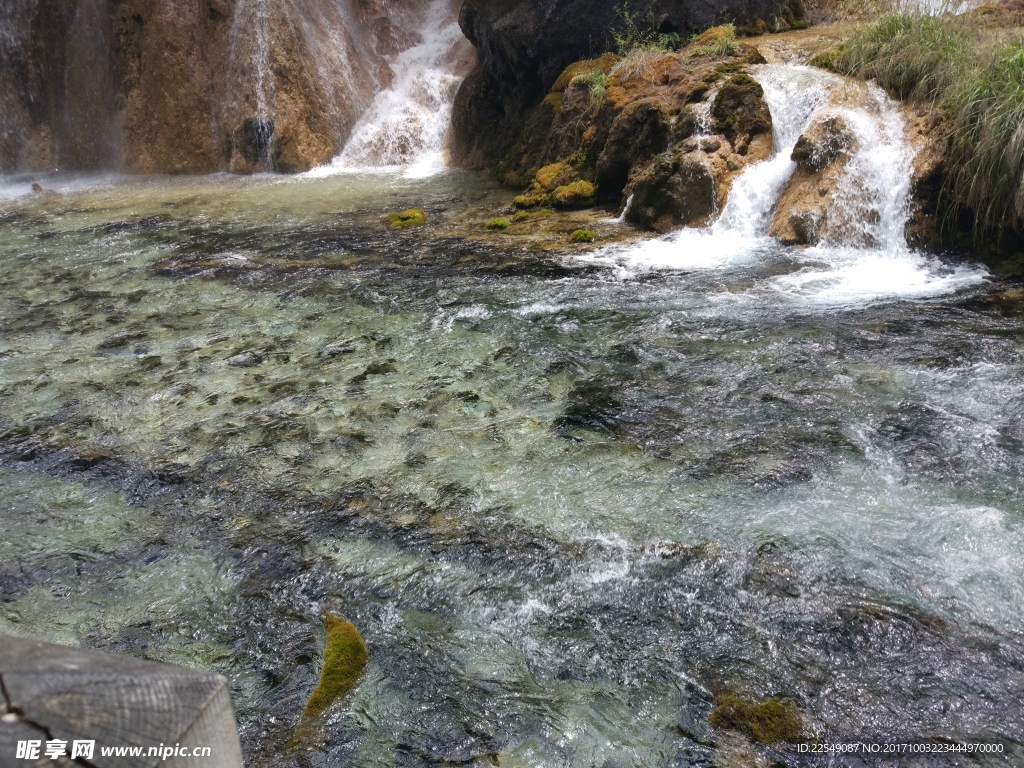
717	41
593	80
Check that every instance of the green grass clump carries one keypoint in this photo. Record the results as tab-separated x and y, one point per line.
595	81
910	55
414	217
345	655
717	41
978	81
770	722
986	142
583	236
497	225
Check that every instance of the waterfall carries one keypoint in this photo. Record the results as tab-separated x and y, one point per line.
406	127
864	256
251	83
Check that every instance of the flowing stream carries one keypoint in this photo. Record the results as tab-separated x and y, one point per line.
566	501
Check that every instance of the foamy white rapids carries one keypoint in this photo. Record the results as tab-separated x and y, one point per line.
865	259
406	126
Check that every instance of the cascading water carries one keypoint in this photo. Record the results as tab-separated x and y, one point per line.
865	256
249	58
407	124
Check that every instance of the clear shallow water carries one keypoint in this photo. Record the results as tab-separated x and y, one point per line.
562	507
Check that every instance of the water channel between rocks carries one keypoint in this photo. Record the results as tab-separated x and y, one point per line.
566	498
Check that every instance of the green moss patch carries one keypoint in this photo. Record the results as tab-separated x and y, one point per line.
497	225
579	194
413	217
345	655
583	236
770	722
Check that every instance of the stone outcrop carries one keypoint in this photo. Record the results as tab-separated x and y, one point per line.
523	45
671	129
821	155
191	86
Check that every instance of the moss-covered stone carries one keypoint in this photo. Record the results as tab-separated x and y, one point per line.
531	201
603	64
740	111
413	217
345	655
551	176
769	722
583	236
521	216
579	194
497	225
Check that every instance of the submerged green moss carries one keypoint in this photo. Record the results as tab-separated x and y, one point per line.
413	217
345	655
770	722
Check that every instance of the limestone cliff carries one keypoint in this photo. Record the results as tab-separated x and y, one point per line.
191	86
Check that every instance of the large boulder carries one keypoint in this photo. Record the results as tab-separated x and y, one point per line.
686	186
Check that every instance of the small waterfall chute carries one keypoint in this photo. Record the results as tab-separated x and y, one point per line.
406	126
864	256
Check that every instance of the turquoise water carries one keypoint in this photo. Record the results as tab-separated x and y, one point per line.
565	503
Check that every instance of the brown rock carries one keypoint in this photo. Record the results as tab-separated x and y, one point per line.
821	155
741	114
679	188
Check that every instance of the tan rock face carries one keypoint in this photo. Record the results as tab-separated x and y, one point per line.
192	86
821	155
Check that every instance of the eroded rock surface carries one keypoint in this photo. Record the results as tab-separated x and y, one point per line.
161	86
821	154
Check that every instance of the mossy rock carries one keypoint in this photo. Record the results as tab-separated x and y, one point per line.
740	108
521	216
827	59
554	101
770	722
604	64
551	176
583	236
497	225
531	201
345	656
579	194
413	217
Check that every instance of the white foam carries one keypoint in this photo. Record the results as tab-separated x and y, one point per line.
855	278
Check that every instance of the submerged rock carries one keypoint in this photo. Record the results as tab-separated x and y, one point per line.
414	217
770	722
345	656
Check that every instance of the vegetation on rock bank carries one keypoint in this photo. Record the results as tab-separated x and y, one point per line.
975	74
